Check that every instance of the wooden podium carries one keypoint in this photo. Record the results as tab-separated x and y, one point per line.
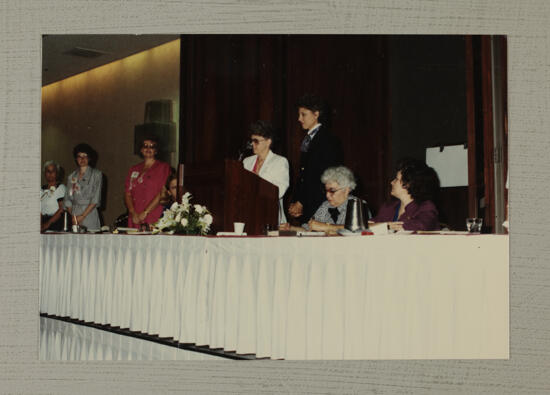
232	194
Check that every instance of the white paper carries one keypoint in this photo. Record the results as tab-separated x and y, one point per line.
451	164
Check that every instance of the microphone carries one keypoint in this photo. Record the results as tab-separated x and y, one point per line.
244	148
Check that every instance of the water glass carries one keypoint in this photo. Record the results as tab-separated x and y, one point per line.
473	225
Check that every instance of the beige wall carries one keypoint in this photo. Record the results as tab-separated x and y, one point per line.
101	107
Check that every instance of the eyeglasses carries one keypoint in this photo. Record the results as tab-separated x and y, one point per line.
149	146
82	156
332	191
256	141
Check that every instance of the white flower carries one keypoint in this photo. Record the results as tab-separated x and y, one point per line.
208	219
185	198
52	188
178	215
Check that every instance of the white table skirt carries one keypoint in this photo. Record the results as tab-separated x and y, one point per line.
405	297
64	341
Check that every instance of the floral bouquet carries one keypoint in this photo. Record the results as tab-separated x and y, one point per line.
184	218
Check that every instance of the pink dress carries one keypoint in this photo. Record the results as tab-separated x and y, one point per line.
144	186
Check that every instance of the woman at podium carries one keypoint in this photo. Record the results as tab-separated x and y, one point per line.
266	164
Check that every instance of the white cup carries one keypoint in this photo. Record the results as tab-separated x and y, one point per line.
238	227
75	228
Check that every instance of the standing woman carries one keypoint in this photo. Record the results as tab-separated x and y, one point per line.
51	199
266	164
320	150
144	184
83	194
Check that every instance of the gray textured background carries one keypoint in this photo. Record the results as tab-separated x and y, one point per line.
525	23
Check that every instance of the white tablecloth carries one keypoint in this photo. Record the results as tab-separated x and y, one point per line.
370	297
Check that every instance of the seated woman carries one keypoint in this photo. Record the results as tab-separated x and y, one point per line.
51	199
331	214
266	164
144	184
414	187
169	191
83	194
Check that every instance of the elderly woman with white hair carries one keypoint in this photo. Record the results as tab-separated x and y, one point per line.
51	198
331	214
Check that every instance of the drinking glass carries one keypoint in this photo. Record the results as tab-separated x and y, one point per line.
473	225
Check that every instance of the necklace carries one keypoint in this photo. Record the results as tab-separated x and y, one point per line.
145	169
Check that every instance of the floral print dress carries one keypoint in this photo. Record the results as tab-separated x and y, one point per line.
81	193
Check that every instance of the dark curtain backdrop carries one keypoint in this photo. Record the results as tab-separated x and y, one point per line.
230	81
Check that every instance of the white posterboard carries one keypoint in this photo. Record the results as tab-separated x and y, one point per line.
451	164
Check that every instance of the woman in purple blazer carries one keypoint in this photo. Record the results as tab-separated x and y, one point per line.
415	186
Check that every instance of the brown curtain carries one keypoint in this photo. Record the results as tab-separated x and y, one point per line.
230	81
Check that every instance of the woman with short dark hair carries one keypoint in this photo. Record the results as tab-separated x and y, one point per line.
319	150
170	190
265	163
414	188
83	194
144	184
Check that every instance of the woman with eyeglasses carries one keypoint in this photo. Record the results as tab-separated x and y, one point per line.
144	184
51	199
266	164
414	189
331	214
83	193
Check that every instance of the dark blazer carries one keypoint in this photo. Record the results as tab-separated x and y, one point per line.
325	150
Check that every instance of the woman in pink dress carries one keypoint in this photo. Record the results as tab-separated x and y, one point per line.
144	184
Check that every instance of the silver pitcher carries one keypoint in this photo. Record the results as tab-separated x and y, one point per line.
355	215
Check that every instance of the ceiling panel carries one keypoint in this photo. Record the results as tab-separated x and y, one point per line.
58	62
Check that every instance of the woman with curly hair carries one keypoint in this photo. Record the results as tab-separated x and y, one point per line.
330	216
414	188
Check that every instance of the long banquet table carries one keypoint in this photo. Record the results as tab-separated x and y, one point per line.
370	297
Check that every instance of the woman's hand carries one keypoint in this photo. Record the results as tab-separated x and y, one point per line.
135	218
295	209
287	226
141	216
78	219
318	226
